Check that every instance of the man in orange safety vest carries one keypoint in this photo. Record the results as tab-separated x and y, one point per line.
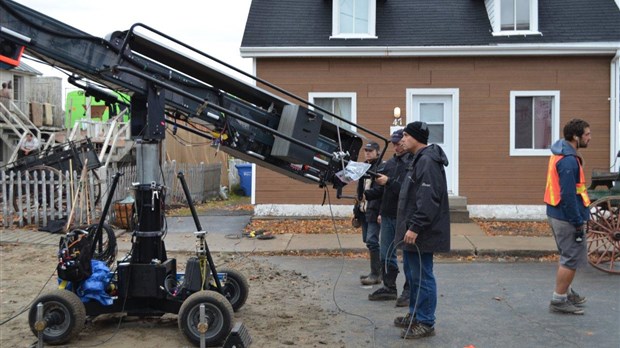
567	210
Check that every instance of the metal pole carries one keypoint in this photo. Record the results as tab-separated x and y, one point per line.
40	325
203	327
97	239
188	196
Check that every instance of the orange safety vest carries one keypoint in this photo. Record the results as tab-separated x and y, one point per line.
552	192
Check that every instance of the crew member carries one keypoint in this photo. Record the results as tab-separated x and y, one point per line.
567	210
367	213
422	227
390	181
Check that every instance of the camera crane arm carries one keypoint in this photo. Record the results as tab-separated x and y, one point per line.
245	121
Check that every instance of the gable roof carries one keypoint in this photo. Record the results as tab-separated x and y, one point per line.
27	69
425	25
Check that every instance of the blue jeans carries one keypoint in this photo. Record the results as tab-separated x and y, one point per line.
423	303
388	230
370	235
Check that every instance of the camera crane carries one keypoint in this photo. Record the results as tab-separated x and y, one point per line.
170	87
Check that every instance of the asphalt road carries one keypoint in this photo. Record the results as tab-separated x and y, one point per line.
480	304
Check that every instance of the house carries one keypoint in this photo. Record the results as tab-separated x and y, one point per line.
35	106
496	80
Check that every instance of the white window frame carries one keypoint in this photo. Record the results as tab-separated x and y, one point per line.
497	25
372	20
352	95
555	121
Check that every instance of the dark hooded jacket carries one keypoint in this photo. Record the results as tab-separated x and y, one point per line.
571	206
423	202
395	169
372	206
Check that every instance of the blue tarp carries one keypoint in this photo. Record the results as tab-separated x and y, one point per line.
94	287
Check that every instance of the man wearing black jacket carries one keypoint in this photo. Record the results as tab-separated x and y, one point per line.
422	228
390	180
368	212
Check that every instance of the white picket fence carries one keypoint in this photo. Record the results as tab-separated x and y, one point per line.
43	195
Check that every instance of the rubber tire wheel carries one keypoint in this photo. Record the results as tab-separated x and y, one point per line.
218	313
236	289
68	307
108	238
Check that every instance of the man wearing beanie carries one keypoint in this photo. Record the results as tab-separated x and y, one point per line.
390	180
422	227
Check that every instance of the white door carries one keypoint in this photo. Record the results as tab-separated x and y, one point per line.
439	109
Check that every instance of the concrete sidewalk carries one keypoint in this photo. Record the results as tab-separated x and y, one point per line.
224	234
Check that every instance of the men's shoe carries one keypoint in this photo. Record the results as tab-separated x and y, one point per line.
564	307
371	280
418	331
383	294
364	276
405	322
403	300
575	298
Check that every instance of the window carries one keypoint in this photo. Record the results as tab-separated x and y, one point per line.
341	104
353	19
534	122
514	17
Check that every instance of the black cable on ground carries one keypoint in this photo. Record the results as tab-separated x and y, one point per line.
374	326
31	302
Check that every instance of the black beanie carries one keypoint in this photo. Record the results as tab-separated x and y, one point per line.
418	130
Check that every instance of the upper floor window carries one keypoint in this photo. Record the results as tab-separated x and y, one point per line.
354	19
513	17
534	122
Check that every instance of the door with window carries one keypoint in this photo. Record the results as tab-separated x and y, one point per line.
438	108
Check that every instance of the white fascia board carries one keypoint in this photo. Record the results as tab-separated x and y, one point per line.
423	51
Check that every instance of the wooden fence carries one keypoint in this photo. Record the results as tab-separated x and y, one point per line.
203	181
40	196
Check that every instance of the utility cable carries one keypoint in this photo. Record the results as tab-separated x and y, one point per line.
374	327
31	302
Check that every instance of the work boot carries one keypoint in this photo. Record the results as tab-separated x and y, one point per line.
375	269
364	276
388	291
403	299
383	294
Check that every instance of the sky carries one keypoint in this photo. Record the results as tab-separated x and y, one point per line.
213	27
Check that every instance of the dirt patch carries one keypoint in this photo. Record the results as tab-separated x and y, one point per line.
276	298
233	205
515	228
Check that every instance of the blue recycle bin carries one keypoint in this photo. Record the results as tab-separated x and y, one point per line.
245	176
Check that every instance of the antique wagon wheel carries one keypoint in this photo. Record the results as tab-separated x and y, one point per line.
604	234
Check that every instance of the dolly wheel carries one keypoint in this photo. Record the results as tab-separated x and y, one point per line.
236	288
604	234
218	317
64	316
